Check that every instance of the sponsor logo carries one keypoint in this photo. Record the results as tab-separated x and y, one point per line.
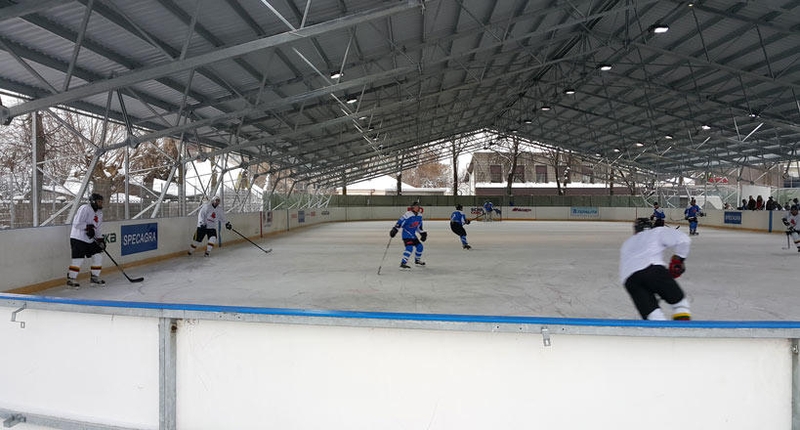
301	216
733	218
138	238
325	213
584	212
521	209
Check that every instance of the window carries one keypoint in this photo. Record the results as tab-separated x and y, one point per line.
587	174
519	174
495	173
541	173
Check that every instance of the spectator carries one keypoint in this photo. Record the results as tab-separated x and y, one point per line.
743	207
770	205
759	203
751	204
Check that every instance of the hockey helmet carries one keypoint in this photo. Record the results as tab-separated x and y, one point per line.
95	197
459	207
794	208
642	224
655	204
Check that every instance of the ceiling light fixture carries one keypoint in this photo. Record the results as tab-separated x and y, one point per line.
527	121
659	28
569	91
668	137
705	127
616	149
351	100
545	108
336	75
752	115
604	67
639	144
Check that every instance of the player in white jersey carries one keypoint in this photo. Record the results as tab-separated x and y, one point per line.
643	272
86	241
207	218
792	223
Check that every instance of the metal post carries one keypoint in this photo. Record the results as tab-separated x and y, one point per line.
35	167
167	375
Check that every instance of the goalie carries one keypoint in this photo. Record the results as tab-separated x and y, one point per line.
645	275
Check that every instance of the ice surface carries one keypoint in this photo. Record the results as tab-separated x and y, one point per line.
526	268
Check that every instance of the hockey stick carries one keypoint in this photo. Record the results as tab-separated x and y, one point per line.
384	254
266	251
140	279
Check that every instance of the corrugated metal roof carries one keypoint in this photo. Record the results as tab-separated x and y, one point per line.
424	71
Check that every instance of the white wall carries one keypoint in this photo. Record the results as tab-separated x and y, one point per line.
351	373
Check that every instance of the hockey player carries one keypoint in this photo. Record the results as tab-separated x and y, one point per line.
457	221
488	209
207	219
690	214
792	222
658	216
86	241
646	277
411	222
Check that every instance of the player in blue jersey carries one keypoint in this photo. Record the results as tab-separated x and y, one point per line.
691	213
658	216
488	209
410	223
457	221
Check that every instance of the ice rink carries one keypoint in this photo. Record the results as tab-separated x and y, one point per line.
520	268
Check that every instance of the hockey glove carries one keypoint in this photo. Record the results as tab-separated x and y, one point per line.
467	222
203	226
393	232
101	242
676	266
423	236
228	225
702	214
785	222
90	231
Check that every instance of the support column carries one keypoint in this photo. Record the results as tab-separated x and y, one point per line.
167	375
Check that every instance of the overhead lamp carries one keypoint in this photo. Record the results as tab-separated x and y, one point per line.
616	149
639	144
660	28
597	154
336	75
569	91
527	120
668	137
752	115
705	127
352	100
604	67
545	108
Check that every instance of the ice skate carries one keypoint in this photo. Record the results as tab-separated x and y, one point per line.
206	254
467	246
73	284
97	282
403	265
419	262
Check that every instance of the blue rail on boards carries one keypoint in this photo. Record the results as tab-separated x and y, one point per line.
488	319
